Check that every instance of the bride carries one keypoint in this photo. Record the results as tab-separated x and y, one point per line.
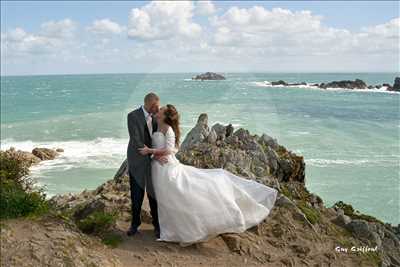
197	204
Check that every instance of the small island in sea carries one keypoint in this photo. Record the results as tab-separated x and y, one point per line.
357	84
88	228
209	76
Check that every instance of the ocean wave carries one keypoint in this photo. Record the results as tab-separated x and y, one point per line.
355	162
383	89
101	153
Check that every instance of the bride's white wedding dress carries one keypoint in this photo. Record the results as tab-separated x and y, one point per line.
197	204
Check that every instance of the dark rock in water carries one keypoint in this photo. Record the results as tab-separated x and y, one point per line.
283	83
60	150
396	85
280	82
208	76
356	84
44	153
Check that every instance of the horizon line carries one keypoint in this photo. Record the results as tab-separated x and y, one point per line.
199	72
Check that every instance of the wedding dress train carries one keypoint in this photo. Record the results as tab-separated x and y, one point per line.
196	204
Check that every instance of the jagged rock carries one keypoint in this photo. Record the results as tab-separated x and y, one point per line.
212	137
362	230
341	220
44	153
356	84
122	171
396	85
280	82
94	206
198	134
220	131
268	141
209	76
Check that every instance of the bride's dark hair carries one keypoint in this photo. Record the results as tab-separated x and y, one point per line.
172	119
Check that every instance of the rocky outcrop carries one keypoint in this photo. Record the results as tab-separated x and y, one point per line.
209	76
346	84
45	153
30	158
299	231
396	85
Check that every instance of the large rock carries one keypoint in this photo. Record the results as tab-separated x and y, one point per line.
198	134
346	84
240	152
396	85
44	153
209	76
26	158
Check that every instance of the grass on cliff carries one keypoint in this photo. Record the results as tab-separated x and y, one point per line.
18	198
354	214
97	223
311	214
100	223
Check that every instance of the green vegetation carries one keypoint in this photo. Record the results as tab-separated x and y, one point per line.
100	223
311	214
111	239
17	195
285	191
354	214
97	222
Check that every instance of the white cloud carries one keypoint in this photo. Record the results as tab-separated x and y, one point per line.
105	26
59	29
53	35
163	20
300	33
205	8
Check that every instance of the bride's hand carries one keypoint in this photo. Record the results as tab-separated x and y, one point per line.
145	150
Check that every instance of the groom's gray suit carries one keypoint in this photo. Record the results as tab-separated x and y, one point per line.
139	166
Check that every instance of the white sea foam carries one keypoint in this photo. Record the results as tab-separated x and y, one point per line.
355	162
101	153
383	89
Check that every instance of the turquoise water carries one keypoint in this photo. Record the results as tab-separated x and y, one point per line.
350	140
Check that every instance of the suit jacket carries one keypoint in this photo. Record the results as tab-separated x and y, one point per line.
139	166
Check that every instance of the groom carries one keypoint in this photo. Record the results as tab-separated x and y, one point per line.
141	126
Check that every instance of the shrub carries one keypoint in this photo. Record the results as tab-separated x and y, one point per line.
14	169
97	222
16	195
111	239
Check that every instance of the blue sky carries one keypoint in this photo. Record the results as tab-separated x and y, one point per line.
101	37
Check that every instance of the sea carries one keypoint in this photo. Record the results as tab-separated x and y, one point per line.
349	139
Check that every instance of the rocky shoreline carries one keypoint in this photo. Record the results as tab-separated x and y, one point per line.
300	231
357	84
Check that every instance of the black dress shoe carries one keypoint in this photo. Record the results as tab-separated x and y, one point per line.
132	231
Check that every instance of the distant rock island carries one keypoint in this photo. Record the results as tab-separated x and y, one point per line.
209	76
357	84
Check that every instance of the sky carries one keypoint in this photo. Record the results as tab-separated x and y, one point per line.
223	36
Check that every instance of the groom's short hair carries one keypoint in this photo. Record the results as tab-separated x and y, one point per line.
151	97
